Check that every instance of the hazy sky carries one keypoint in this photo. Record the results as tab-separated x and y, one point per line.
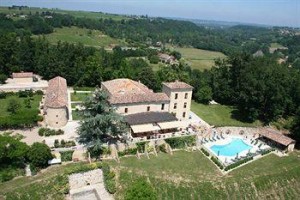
271	12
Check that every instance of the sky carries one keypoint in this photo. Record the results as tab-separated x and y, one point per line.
267	12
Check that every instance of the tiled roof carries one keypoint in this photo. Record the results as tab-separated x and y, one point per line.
22	75
276	136
149	118
56	94
178	85
122	91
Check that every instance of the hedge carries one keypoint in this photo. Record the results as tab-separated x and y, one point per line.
109	179
49	132
264	152
238	163
63	143
205	152
217	162
179	142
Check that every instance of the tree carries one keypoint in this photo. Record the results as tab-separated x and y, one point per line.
27	102
204	95
140	189
39	154
100	122
12	150
13	105
3	78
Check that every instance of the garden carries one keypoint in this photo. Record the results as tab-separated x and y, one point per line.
20	110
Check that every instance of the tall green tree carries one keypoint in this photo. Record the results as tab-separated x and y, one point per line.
100	122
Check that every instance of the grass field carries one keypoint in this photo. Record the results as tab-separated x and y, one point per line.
190	175
197	58
218	115
276	45
79	96
87	37
92	15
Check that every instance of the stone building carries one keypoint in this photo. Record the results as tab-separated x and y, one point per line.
149	113
22	77
56	103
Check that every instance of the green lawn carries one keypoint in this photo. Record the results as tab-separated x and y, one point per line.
79	96
23	115
190	175
218	115
198	58
76	115
87	37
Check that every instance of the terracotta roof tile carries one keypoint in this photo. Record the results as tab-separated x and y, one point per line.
122	91
276	136
177	85
22	75
56	94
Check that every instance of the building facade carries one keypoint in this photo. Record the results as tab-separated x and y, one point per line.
56	103
22	77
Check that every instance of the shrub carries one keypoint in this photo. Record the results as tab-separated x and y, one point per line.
42	131
264	152
140	189
205	152
56	143
49	132
179	142
109	179
162	148
66	155
83	168
217	162
234	165
2	95
141	146
39	92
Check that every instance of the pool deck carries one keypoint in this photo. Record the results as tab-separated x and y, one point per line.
226	160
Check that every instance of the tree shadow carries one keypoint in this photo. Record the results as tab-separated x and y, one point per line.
242	117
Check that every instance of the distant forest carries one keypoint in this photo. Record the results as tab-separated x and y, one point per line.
258	86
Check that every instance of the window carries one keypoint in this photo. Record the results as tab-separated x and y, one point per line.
175	105
184	105
183	114
186	95
162	106
56	122
176	95
148	108
56	115
126	110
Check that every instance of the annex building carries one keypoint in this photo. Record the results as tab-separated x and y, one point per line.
149	113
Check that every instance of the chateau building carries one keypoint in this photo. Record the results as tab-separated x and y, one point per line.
149	113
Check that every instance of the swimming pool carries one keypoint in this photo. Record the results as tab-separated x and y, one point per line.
233	148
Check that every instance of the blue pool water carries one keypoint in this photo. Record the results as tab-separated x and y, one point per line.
231	149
